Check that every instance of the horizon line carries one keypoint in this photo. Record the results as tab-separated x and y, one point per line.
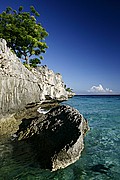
97	94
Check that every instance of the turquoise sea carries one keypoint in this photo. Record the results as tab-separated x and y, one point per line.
100	159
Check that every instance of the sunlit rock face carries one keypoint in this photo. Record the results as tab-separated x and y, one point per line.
20	87
55	139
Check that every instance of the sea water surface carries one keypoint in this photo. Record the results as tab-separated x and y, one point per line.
100	159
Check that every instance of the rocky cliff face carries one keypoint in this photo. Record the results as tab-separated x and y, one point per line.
53	140
20	87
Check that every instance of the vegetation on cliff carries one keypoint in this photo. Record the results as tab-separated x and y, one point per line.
25	37
23	34
68	89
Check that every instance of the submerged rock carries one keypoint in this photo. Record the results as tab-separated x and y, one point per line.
101	168
55	139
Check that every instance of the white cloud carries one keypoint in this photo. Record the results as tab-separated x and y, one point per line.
99	89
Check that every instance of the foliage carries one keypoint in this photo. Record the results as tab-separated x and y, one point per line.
28	66
23	34
68	89
35	61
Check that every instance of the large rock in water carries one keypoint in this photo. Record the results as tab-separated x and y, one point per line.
55	138
20	87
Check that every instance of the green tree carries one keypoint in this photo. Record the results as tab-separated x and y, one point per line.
23	34
68	89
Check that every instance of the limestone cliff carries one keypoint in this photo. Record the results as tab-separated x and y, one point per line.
20	87
54	140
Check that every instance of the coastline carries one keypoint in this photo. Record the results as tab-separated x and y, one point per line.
31	114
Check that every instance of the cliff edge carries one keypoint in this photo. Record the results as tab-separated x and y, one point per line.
20	87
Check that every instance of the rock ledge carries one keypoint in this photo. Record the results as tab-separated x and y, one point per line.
56	138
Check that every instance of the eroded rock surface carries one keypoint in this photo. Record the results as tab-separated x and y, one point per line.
55	139
20	87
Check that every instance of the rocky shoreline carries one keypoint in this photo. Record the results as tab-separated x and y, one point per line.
55	137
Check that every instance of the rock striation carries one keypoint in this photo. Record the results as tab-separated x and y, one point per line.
20	87
55	139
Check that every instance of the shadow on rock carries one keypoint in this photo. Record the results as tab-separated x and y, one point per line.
54	140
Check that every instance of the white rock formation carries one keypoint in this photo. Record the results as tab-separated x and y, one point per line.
20	87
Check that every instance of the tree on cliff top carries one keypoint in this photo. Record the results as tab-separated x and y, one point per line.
23	34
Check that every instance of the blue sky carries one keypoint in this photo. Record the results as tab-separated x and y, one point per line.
84	41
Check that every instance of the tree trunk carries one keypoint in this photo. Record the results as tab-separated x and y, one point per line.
27	59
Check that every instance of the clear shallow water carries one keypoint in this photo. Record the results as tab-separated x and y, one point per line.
100	159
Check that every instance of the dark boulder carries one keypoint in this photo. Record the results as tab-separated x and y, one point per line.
56	138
